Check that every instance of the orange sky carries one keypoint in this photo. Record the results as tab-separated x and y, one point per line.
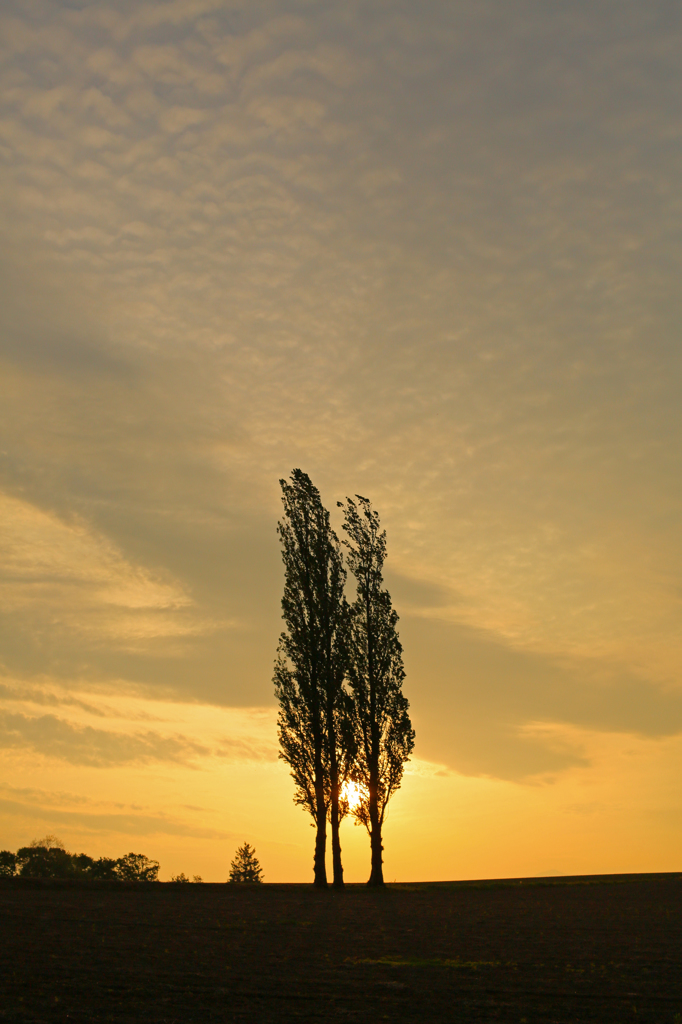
428	253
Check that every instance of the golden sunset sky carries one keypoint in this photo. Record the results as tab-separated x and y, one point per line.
429	253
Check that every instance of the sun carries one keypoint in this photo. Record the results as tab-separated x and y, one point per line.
352	792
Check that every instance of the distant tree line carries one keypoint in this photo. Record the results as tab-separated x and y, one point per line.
343	725
47	858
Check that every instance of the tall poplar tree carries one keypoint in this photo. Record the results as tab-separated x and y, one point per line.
309	671
384	733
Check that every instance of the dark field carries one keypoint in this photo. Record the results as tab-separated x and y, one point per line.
581	949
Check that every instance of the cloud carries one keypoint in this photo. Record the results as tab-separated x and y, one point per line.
175	12
485	708
132	824
182	733
287	111
69	576
412	595
25	693
52	737
246	750
426	254
332	63
177	119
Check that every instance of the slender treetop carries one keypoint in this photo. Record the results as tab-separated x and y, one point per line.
384	733
309	670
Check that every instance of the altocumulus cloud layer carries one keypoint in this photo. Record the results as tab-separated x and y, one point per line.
73	811
427	252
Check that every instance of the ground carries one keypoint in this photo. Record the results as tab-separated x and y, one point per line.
537	950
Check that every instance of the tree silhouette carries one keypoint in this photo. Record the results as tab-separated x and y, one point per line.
384	733
48	842
104	869
8	864
46	858
135	867
309	671
245	866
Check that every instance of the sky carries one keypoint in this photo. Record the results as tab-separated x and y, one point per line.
429	253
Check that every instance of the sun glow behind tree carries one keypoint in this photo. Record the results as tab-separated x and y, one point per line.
354	794
339	672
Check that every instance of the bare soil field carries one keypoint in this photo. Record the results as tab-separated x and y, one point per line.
532	951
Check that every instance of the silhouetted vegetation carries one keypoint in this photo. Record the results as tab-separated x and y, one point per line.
8	864
245	866
310	668
47	858
135	867
339	671
383	730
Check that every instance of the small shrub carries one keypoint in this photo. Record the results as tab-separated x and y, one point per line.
182	877
245	866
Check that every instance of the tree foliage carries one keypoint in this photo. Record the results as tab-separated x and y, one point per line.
8	864
135	867
47	858
313	722
245	866
384	733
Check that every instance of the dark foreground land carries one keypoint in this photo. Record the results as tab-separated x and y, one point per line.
555	950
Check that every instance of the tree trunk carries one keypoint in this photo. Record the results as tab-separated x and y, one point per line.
336	848
334	797
377	876
336	841
320	866
377	873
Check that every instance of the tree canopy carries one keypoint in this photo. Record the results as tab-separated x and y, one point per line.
383	730
245	867
47	858
339	671
313	718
